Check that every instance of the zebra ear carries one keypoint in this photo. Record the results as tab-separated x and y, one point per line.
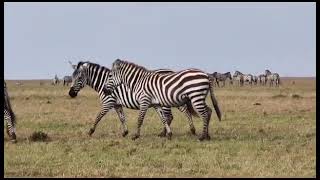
84	65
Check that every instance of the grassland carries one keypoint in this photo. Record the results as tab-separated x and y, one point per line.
274	139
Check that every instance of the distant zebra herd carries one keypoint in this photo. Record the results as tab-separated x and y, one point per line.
240	78
135	87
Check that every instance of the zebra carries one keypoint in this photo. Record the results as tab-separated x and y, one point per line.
262	79
67	80
255	80
169	90
238	77
222	77
95	75
55	80
9	116
246	77
272	77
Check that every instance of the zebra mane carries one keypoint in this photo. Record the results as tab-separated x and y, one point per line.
91	64
118	62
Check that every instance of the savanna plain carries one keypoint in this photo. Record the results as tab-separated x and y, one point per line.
264	132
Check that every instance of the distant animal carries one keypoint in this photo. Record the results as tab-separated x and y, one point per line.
255	80
19	83
55	80
9	116
262	79
222	77
95	76
237	76
169	90
67	80
272	78
246	77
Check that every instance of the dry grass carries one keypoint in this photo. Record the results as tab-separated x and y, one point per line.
276	138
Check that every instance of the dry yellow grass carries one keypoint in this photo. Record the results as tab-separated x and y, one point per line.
274	139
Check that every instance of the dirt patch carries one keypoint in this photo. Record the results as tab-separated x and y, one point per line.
39	136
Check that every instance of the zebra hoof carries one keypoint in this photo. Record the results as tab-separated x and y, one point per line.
204	137
193	131
162	134
169	135
136	136
125	133
91	131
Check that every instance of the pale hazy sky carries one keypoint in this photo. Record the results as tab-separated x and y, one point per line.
39	38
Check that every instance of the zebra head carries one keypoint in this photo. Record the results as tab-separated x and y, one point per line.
237	73
79	79
114	78
267	72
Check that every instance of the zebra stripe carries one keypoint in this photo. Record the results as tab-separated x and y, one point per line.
95	76
9	116
169	90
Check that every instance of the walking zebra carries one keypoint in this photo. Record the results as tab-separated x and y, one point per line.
222	77
262	79
246	77
168	90
95	75
272	78
9	116
67	80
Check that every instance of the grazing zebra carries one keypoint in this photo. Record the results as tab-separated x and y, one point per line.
94	75
169	90
246	77
238	77
272	78
222	77
9	116
262	79
55	80
67	80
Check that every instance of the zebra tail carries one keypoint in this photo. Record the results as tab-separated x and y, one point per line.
214	101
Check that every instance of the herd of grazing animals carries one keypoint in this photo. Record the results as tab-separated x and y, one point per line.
135	87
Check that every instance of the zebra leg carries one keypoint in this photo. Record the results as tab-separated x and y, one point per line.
122	118
98	118
162	116
143	110
166	120
205	113
184	109
11	130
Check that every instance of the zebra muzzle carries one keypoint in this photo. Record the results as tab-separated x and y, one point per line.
72	93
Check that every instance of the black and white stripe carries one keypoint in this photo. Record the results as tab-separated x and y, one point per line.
168	90
94	75
9	116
